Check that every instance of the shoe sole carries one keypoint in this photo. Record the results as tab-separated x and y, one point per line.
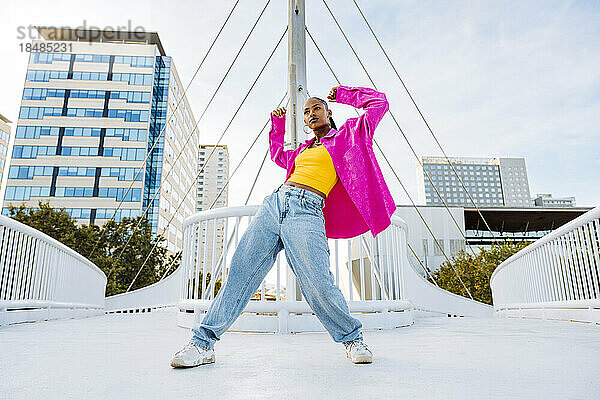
204	361
361	360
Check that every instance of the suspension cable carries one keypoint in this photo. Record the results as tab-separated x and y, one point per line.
210	155
189	136
256	177
401	184
421	262
395	121
236	168
143	164
244	157
424	119
402	132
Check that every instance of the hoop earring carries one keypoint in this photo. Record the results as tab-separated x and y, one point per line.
304	130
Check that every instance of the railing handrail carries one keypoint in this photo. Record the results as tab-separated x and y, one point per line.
11	223
396	220
235	211
172	275
577	222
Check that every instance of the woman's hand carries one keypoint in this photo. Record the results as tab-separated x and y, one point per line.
279	112
332	93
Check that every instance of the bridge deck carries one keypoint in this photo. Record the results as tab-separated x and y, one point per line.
126	356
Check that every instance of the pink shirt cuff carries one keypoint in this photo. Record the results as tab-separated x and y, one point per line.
278	123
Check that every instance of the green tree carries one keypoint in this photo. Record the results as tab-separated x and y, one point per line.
200	282
57	224
117	248
475	271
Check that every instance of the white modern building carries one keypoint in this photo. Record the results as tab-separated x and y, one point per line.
450	240
547	200
490	182
102	128
213	171
212	192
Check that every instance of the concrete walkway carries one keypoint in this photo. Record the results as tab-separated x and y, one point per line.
127	356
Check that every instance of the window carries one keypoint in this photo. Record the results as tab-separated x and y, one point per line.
44	75
126	154
127	134
79	151
41	94
26	192
48	58
28	172
122	174
34	132
90	76
118	193
39	112
33	151
97	58
436	249
129	115
74	191
87	94
131	97
135	61
133	79
88	132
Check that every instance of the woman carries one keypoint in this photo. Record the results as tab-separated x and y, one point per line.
333	188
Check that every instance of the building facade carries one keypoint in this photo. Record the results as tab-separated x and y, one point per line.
490	182
213	171
546	200
102	130
211	193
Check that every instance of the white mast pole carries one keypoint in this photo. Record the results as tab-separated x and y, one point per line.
297	93
296	70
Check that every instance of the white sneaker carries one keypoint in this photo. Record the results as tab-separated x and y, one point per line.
192	356
358	352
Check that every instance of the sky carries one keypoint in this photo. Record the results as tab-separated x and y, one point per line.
493	78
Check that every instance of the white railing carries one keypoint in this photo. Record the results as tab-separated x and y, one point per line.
41	279
378	282
164	293
557	277
430	300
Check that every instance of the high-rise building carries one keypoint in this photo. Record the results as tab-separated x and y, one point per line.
4	140
546	200
490	182
213	172
94	113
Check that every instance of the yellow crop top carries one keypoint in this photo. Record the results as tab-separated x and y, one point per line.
314	168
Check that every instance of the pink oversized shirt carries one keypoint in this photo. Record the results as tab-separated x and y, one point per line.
360	200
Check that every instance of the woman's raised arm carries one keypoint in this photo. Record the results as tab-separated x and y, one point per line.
374	103
276	135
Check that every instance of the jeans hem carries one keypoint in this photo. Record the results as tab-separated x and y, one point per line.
201	343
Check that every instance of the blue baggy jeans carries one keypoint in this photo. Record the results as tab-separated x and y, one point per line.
290	218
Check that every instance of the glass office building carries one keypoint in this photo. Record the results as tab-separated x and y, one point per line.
101	132
495	182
